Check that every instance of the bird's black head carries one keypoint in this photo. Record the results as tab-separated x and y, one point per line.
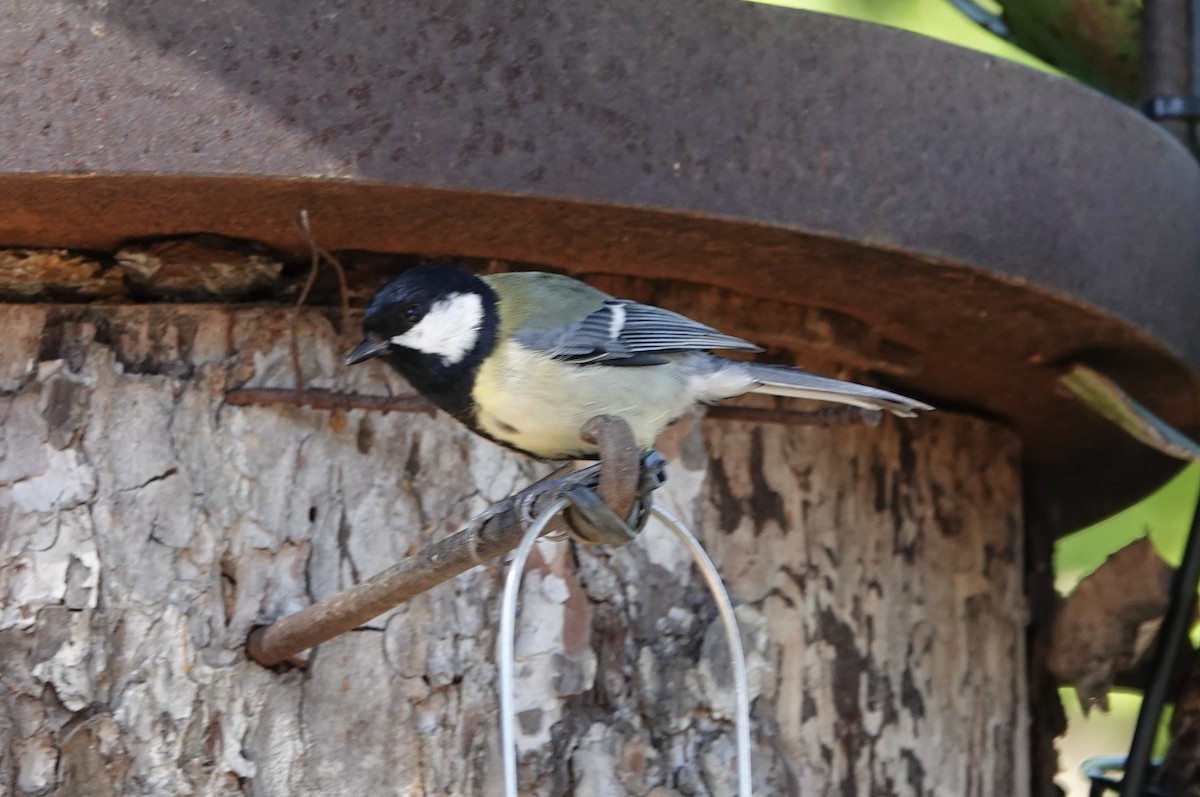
438	315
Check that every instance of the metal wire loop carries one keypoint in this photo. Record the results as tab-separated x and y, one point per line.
507	643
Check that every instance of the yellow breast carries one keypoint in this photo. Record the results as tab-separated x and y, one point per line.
537	404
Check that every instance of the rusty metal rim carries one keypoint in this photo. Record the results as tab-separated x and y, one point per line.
966	363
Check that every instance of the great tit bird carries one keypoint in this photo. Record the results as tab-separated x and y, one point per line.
526	358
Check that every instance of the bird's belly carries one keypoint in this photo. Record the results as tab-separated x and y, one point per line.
531	402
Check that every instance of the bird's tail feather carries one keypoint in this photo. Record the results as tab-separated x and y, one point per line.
793	383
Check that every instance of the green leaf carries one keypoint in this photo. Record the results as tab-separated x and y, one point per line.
1107	398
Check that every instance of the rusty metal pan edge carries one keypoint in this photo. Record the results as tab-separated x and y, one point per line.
274	226
732	110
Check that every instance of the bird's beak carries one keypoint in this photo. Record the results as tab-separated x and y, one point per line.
366	350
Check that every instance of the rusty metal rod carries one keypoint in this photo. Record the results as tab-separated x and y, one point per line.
499	532
826	416
619	477
495	532
412	402
326	400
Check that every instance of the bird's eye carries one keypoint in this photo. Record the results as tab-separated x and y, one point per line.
413	313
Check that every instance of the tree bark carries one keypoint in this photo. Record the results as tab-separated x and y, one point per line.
147	527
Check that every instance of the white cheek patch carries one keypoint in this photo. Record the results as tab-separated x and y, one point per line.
449	330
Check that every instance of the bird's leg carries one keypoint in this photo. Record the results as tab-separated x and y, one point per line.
609	501
521	505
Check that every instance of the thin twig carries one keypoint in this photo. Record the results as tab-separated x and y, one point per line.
343	289
302	222
319	251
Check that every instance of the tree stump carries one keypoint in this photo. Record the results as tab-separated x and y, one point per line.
147	527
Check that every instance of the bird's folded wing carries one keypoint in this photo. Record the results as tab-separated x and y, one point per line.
627	333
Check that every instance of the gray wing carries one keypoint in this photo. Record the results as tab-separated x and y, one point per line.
627	333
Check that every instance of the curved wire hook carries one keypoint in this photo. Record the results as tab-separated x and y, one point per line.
733	638
507	641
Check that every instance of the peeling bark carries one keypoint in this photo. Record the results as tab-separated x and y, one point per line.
1106	628
147	526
